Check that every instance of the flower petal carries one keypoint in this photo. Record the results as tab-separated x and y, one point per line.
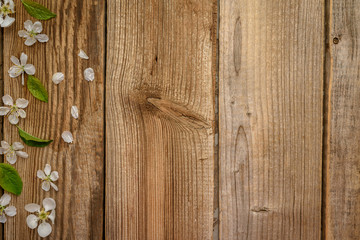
32	221
89	74
40	174
5	199
22	154
2	150
58	77
54	176
29	69
23	59
75	112
15	71
10	211
45	186
67	137
17	146
44	229
37	27
49	204
28	24
3	218
52	216
8	100
22	102
32	207
47	169
11	157
21	113
54	186
83	55
15	60
30	41
4	111
13	119
23	33
5	145
7	21
42	37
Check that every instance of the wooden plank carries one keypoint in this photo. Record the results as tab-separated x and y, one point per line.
271	81
342	196
160	113
79	212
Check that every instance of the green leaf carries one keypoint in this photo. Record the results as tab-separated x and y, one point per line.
37	10
9	179
37	89
31	140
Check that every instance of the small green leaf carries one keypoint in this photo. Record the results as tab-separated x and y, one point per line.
31	140
9	179
37	89
37	10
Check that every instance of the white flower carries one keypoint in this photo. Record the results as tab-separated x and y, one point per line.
32	33
11	151
14	111
48	178
5	209
58	77
41	216
5	9
75	112
89	74
21	67
67	136
82	54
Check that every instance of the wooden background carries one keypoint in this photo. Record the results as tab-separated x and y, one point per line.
236	119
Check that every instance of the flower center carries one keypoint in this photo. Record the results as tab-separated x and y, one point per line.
32	33
13	109
6	10
43	215
2	208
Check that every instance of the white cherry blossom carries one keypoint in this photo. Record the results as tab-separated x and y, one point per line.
48	178
21	67
41	216
12	151
14	111
32	33
6	8
5	209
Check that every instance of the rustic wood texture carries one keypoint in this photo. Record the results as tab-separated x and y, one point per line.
342	196
159	119
271	86
79	24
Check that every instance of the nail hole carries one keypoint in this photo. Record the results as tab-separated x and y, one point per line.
336	40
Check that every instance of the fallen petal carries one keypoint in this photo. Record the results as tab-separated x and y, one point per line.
89	74
67	136
58	77
75	112
83	55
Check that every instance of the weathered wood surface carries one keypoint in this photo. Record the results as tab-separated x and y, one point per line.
79	24
271	87
342	196
159	119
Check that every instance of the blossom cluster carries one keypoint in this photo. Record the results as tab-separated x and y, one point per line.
40	217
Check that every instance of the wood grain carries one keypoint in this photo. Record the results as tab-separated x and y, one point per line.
79	24
270	100
342	183
159	119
